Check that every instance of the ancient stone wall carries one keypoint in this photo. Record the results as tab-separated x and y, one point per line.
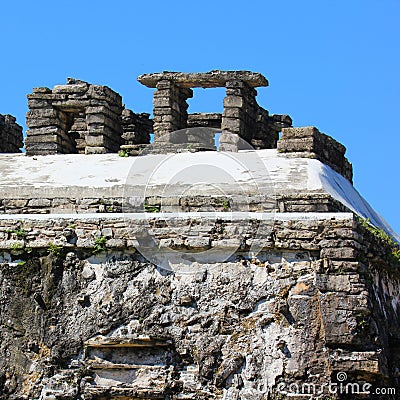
309	142
83	317
268	127
206	120
315	202
242	116
74	118
11	137
240	110
170	107
136	128
117	286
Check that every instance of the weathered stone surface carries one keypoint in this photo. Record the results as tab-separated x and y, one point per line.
173	290
75	115
209	120
136	127
203	79
11	138
242	115
309	142
248	326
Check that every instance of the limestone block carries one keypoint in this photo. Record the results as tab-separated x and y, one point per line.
233	112
202	79
42	122
39	203
233	101
197	242
69	89
45	130
95	150
232	125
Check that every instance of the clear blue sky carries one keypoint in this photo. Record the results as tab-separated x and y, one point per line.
331	63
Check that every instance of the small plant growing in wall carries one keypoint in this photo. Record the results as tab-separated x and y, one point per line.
123	153
54	249
382	235
20	233
151	209
99	245
226	205
17	246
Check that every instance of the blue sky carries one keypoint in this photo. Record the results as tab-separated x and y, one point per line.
331	64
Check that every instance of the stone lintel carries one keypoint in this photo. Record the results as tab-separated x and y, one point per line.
143	341
210	79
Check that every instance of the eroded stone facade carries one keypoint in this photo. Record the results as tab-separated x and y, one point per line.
114	326
152	287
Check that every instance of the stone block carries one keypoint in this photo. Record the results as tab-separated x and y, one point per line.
71	89
232	125
305	144
107	232
95	150
46	130
228	147
37	139
42	122
299	132
95	141
229	138
197	242
162	102
42	113
39	203
233	112
233	101
344	253
41	90
42	148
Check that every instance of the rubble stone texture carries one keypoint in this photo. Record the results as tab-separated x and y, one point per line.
11	137
115	326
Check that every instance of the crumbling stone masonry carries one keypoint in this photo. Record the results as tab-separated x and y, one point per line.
197	286
74	118
320	298
204	120
310	143
11	137
136	128
266	134
242	116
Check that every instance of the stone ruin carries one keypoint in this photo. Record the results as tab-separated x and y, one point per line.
11	137
83	118
242	116
74	118
288	285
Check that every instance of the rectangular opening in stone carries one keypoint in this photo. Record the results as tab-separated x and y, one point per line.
77	130
129	356
73	129
129	364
